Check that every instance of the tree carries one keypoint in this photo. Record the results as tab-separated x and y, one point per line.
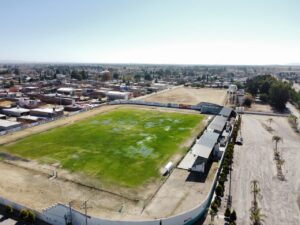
9	210
213	212
219	191
279	95
116	76
148	77
256	216
264	97
233	216
23	214
276	139
227	213
137	77
31	217
247	101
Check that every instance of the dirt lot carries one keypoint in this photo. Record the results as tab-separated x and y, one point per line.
254	160
28	183
182	191
187	95
260	108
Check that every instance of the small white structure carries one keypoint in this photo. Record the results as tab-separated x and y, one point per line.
7	125
168	167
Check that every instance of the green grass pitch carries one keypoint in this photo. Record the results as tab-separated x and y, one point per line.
125	146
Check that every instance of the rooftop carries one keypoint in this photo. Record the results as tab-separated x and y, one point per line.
7	123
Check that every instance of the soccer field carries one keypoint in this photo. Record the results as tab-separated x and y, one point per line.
125	146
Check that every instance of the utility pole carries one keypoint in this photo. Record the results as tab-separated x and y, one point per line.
85	211
70	212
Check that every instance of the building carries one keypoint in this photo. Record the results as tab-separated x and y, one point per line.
202	152
218	124
16	112
209	108
66	91
115	95
56	99
47	112
226	112
8	125
28	119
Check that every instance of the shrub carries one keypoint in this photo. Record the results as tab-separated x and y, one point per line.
233	216
9	210
227	213
31	216
23	214
247	101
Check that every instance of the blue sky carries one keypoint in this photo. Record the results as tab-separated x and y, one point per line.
152	31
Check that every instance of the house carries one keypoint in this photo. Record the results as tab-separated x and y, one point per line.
8	125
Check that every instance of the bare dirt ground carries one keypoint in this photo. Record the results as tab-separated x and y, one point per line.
186	95
260	108
254	160
28	183
182	191
37	191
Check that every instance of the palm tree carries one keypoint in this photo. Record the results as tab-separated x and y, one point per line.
256	216
276	139
255	190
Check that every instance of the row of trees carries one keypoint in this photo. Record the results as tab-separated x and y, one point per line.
270	90
24	214
226	168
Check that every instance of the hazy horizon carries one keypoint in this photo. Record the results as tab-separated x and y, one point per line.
192	32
